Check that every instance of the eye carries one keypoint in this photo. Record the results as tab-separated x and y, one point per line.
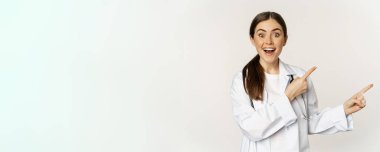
277	34
261	35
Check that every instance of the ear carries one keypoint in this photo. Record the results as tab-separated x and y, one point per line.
252	40
286	39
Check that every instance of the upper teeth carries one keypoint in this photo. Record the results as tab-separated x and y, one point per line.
269	49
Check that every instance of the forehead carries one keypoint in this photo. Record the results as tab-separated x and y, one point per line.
268	25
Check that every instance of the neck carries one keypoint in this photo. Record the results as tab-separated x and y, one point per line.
271	68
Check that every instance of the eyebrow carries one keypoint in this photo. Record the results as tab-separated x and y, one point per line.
265	31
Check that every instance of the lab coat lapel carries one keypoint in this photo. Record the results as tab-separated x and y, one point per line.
285	74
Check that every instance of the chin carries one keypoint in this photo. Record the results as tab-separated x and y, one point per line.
270	59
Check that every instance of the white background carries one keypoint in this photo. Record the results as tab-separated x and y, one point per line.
154	75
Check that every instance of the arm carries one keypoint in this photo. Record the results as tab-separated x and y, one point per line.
329	120
260	123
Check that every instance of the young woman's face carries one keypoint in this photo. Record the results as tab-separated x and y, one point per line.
269	39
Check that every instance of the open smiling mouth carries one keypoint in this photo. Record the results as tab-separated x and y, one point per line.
269	51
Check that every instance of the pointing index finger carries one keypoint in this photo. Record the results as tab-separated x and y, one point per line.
307	74
365	89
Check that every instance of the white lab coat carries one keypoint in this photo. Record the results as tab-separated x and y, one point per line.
268	118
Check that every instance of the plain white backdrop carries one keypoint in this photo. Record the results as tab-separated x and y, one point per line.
154	75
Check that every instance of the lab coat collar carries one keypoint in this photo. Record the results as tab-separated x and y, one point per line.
284	69
285	74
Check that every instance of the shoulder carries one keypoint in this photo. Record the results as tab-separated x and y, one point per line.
237	78
238	75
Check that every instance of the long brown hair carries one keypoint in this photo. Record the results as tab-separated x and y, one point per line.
253	72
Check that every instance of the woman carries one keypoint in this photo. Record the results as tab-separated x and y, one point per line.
274	103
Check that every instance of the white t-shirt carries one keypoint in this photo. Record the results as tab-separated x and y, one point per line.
272	85
277	140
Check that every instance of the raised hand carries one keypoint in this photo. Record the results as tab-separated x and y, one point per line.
299	85
356	102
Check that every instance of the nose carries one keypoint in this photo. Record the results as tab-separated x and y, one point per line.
268	40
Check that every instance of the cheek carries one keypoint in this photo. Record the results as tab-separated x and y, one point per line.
258	43
280	42
279	45
279	48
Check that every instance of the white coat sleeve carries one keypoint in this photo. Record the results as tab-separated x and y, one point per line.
261	123
327	121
